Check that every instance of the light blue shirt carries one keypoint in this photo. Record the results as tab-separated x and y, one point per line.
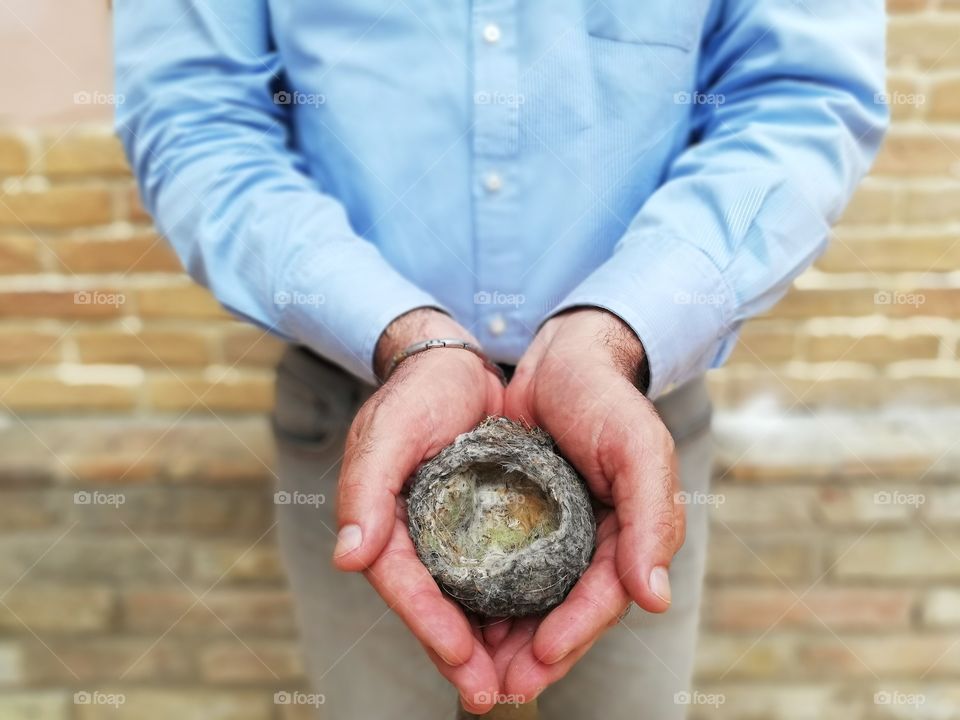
326	166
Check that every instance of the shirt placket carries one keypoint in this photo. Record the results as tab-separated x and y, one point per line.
496	189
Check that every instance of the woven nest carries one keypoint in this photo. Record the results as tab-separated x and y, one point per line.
501	521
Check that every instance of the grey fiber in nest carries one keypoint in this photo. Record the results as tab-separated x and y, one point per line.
501	521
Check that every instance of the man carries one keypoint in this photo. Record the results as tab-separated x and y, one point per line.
597	193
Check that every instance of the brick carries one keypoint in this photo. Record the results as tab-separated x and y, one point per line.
873	348
242	610
184	300
53	608
905	98
22	510
942	505
760	559
906	6
754	507
199	511
901	253
738	657
29	347
945	100
136	212
144	252
199	451
97	659
842	448
939	204
163	704
761	343
93	151
14	154
845	506
35	705
889	656
912	153
814	303
926	43
100	302
784	701
230	391
35	392
247	346
86	559
11	670
871	205
235	561
18	254
840	609
148	347
893	556
61	206
941	608
263	662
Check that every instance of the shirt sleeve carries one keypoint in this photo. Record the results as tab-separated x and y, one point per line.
788	118
209	143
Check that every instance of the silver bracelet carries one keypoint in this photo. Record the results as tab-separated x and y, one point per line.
444	343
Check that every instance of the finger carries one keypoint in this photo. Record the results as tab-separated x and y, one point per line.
495	630
527	677
521	633
594	604
406	586
475	680
643	465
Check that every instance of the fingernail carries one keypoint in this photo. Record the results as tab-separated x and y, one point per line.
660	583
348	540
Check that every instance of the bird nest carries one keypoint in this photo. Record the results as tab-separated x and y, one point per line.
501	521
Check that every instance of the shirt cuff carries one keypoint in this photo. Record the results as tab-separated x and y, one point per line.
340	303
672	296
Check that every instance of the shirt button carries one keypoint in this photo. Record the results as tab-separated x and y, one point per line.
496	325
492	182
491	33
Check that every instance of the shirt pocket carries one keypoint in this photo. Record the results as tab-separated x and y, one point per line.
675	23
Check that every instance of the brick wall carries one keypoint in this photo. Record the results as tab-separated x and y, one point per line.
835	566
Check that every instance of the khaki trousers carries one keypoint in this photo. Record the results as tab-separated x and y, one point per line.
361	657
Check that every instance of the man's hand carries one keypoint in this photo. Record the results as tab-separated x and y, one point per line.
429	399
577	382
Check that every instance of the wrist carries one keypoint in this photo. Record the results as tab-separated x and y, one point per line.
615	342
413	327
